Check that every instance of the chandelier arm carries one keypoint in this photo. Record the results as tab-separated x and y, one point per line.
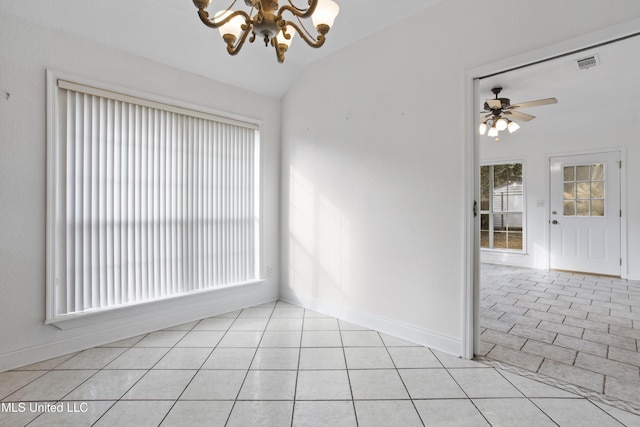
301	13
233	50
304	28
308	39
295	7
279	51
204	17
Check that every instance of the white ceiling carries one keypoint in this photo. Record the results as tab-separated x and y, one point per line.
599	96
170	32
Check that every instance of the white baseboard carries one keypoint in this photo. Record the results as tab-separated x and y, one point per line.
149	320
428	339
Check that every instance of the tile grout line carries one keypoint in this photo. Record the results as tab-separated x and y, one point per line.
201	365
463	390
252	359
151	368
295	388
344	355
395	366
528	398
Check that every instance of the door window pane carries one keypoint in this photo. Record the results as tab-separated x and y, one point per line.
569	173
582	173
582	207
597	208
597	172
597	190
584	190
570	190
569	208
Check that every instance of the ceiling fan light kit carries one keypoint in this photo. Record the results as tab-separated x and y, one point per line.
499	114
265	19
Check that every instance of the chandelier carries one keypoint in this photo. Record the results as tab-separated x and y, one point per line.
265	19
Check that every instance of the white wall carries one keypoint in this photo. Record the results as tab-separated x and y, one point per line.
373	160
26	50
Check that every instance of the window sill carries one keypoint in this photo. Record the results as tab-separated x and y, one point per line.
504	251
149	309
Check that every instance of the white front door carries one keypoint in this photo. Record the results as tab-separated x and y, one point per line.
584	229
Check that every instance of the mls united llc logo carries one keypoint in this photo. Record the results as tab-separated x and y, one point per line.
19	407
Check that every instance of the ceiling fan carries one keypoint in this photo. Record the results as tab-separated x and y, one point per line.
499	113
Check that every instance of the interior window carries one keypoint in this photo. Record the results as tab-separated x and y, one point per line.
501	206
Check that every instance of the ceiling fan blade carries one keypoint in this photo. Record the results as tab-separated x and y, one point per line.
537	103
493	103
519	116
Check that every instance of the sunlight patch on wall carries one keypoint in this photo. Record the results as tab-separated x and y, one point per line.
333	247
319	248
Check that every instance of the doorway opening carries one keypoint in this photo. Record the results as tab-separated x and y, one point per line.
580	329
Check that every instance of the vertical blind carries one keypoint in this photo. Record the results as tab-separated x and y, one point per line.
151	201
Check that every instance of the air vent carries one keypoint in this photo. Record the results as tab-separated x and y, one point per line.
588	62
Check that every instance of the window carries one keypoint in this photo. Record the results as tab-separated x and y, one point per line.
501	206
584	190
147	201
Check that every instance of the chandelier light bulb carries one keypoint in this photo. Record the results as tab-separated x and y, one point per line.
483	128
325	13
493	131
284	41
513	126
233	27
501	124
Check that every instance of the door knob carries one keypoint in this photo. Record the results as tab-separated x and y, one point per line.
554	222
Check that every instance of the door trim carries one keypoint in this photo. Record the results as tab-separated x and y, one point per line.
623	199
470	303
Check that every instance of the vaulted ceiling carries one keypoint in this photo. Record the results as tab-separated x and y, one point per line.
170	32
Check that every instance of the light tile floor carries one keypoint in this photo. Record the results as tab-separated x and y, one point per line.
580	329
282	365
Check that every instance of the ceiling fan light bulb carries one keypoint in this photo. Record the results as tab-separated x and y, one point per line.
501	124
513	126
493	132
483	128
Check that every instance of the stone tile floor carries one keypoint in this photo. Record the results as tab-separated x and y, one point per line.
282	365
577	328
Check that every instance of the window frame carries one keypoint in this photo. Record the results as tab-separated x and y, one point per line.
491	212
53	174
